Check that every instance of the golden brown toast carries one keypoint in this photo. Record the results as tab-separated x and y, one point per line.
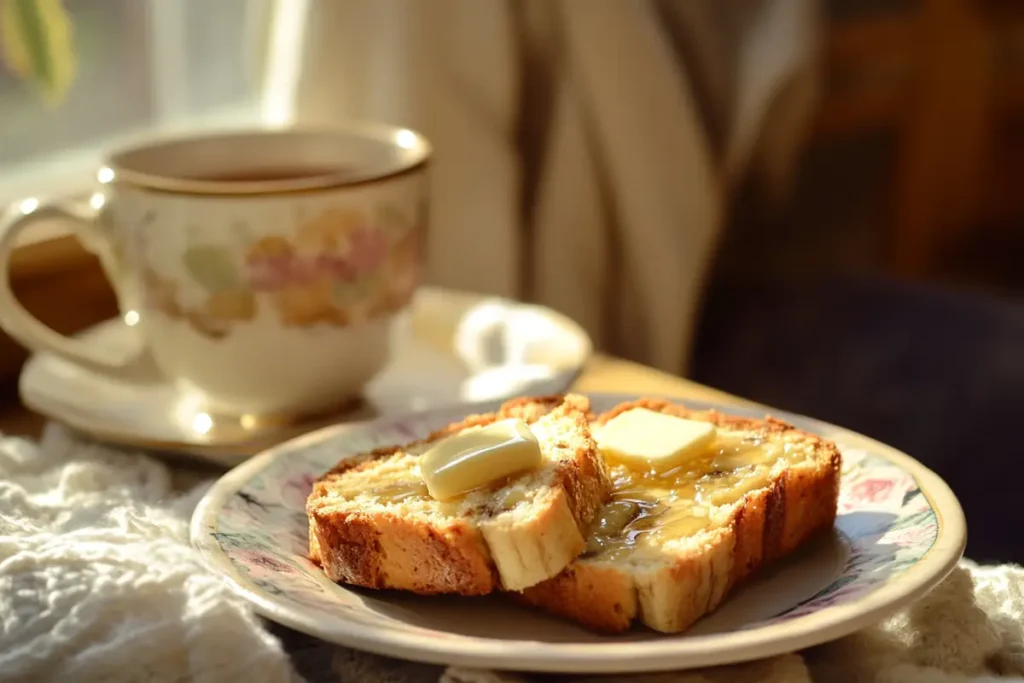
372	522
763	489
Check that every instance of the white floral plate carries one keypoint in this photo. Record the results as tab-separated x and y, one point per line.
900	530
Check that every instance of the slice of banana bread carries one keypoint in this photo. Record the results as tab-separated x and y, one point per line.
669	546
372	522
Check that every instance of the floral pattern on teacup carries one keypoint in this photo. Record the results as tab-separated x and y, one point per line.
339	267
884	519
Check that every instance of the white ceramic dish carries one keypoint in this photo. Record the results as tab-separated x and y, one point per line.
899	532
450	348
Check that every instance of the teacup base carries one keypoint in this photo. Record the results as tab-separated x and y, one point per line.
435	362
265	369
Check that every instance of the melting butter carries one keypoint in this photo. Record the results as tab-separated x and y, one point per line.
645	439
477	457
400	491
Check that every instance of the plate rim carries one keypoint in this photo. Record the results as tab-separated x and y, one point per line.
681	652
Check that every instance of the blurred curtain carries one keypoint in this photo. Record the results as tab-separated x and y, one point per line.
586	150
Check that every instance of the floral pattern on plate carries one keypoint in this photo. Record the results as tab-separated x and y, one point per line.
884	517
888	523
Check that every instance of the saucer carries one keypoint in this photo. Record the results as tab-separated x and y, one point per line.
449	347
899	531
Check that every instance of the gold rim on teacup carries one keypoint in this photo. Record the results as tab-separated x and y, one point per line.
129	167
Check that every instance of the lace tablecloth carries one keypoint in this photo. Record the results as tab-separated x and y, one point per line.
98	582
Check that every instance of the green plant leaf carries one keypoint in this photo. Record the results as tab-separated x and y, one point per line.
212	268
35	42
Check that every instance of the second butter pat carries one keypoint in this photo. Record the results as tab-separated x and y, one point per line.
478	457
645	440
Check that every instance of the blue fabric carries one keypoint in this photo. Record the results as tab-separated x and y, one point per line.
936	373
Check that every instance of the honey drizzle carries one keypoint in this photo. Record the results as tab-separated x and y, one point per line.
677	503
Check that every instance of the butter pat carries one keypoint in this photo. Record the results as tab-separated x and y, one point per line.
643	439
477	457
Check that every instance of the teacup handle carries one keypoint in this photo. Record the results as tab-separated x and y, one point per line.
15	318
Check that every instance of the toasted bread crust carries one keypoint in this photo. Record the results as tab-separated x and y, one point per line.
383	550
387	551
769	523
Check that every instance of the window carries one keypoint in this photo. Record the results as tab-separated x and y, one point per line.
143	66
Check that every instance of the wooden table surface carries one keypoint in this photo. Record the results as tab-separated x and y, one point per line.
603	373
